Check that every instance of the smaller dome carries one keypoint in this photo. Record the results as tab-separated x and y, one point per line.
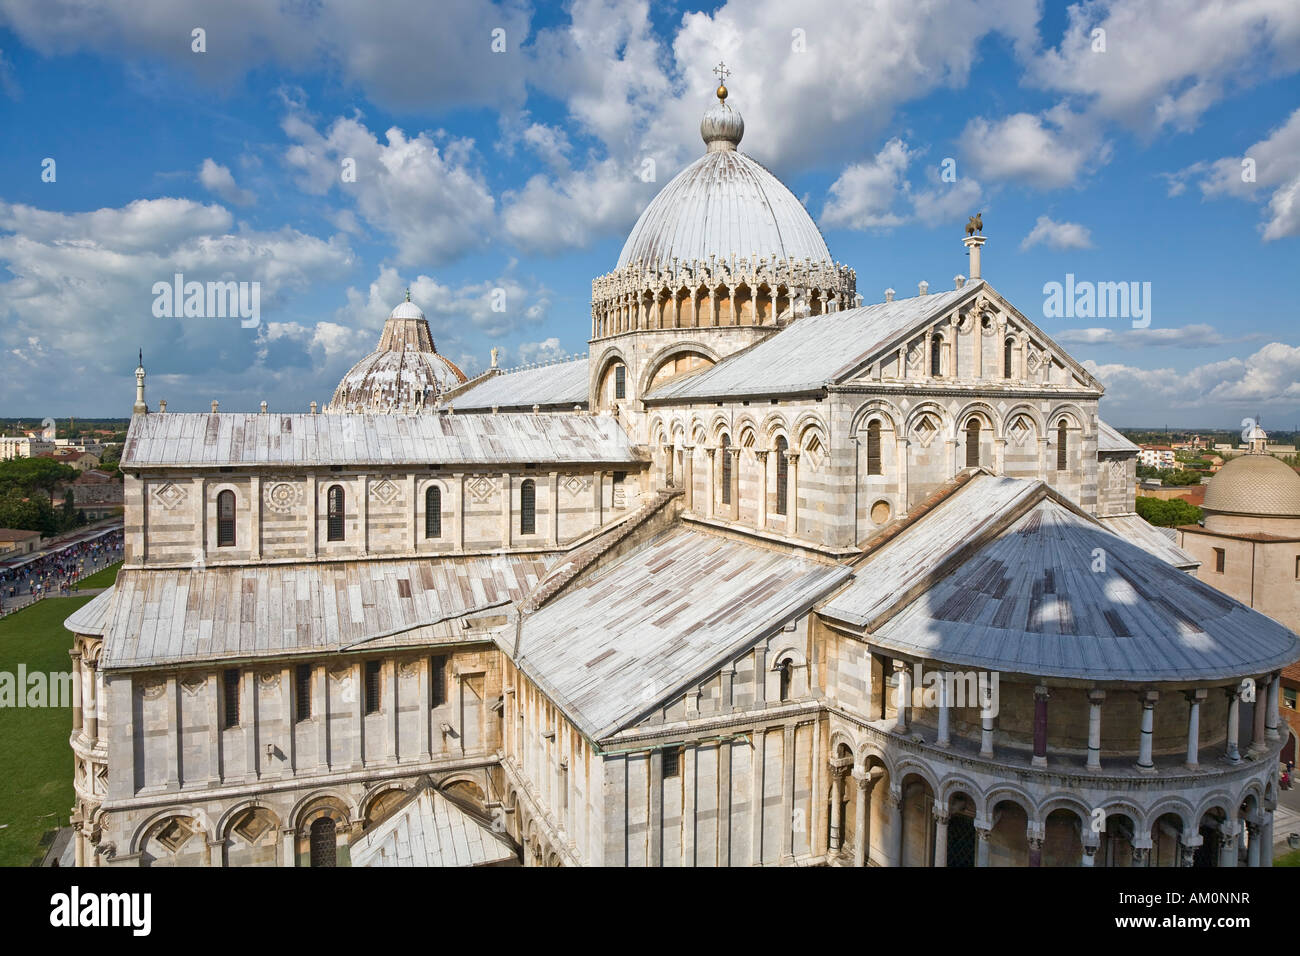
722	127
404	374
1254	485
406	310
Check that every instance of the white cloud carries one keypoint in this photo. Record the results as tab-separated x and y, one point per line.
547	350
1166	63
1266	382
421	192
1057	235
1196	336
491	309
80	297
403	54
552	214
1268	169
876	194
216	178
1047	150
864	195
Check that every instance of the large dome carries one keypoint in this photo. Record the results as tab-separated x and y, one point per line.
1254	485
723	204
404	374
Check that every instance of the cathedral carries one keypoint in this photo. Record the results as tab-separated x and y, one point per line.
770	577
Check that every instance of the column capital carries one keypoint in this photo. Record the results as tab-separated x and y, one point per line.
1197	696
1041	692
1096	696
1149	698
941	814
1233	693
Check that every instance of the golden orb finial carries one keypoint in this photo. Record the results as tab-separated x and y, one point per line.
721	72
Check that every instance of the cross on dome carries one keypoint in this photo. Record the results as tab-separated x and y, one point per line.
721	72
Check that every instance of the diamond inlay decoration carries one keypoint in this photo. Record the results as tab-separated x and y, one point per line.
169	495
1020	431
385	492
926	430
573	484
482	489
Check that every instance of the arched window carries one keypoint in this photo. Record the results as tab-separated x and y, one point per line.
1006	357
786	671
433	512
782	475
528	507
873	449
226	519
1061	446
620	381
725	451
973	443
936	355
334	513
324	842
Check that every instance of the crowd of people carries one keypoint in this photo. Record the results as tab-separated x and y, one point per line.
57	572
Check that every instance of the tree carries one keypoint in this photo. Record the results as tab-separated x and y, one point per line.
28	513
1167	514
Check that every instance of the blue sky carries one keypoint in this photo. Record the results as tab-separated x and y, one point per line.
521	170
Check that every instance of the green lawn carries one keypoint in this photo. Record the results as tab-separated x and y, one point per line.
101	579
35	760
1287	859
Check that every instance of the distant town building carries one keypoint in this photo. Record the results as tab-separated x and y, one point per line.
80	460
1249	548
97	494
1157	456
24	446
16	541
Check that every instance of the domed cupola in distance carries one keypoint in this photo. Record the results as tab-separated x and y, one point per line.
722	257
404	374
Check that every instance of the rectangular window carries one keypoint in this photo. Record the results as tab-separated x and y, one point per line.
620	381
1219	559
230	692
438	680
372	687
1288	697
1297	567
302	692
671	761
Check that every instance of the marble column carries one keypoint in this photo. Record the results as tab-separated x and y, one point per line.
1144	762
713	482
1041	697
1194	699
761	457
1254	835
982	834
894	801
792	509
1035	851
1089	855
904	671
1186	854
837	807
1270	713
940	836
1258	729
76	691
1095	699
986	736
1266	840
1228	846
1234	716
945	728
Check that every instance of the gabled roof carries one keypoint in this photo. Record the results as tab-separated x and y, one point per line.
1024	593
429	830
811	352
202	441
614	645
1108	439
169	616
563	384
